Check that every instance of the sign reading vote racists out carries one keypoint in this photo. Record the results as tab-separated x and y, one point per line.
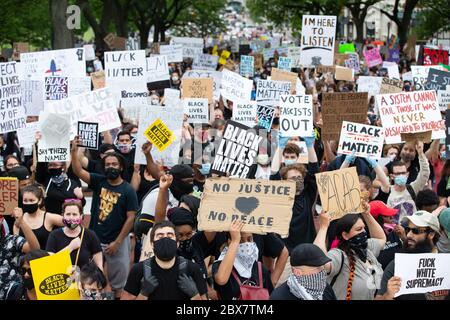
264	206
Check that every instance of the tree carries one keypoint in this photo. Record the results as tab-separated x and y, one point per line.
434	17
62	36
402	19
358	9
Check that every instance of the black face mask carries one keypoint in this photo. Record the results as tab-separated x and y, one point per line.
112	173
165	249
179	188
30	207
28	283
276	121
55	172
186	246
359	244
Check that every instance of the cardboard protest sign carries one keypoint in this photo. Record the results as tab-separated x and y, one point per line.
391	86
420	75
215	75
339	59
245	113
294	53
56	88
18	48
64	63
259	60
12	113
342	106
246	66
109	40
174	53
264	206
157	69
346	47
173	120
364	140
284	63
196	110
437	80
444	98
55	142
434	56
268	92
425	137
325	69
371	85
96	106
317	40
9	195
352	62
237	150
98	79
282	75
159	135
265	115
234	87
52	277
422	273
410	112
342	73
191	46
197	88
339	192
373	57
296	116
205	62
89	134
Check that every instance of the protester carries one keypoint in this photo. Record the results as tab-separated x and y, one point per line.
443	245
29	291
93	283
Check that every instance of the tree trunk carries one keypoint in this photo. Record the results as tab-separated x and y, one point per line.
62	37
359	24
144	31
162	34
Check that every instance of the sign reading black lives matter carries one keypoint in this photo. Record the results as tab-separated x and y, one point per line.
88	133
264	206
237	150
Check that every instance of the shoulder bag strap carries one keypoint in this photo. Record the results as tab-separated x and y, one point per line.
78	252
339	272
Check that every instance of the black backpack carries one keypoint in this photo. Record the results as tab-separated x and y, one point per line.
182	266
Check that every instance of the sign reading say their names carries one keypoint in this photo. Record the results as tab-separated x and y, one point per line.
55	142
88	133
296	116
339	192
196	110
422	273
264	206
9	195
237	150
363	140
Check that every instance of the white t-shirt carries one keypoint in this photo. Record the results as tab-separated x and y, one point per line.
149	202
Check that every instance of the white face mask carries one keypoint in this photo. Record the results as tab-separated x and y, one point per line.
246	256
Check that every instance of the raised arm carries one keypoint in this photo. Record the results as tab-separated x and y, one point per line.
329	155
432	153
32	242
375	229
424	173
321	237
381	176
136	178
152	167
312	156
163	197
349	159
76	164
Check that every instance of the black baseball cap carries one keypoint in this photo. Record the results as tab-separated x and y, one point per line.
308	254
181	171
19	172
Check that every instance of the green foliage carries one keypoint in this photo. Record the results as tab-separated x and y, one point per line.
434	17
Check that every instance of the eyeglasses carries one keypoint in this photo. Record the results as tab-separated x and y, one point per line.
23	271
417	230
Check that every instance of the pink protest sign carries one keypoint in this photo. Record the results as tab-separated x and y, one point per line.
373	57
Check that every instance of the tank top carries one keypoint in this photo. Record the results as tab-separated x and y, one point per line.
41	234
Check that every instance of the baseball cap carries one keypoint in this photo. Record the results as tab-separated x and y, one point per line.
181	171
444	219
20	172
379	207
424	219
308	254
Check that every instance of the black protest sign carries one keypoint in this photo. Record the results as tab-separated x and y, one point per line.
437	80
447	132
265	116
237	150
56	88
88	133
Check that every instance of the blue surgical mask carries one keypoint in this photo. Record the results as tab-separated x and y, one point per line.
288	162
204	170
400	180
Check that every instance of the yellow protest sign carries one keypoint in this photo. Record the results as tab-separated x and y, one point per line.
224	56
215	51
159	134
52	279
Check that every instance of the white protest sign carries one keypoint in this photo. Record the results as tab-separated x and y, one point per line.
295	54
364	140
205	62
284	63
268	92
215	75
244	112
392	68
32	96
54	144
191	46
171	96
317	40
296	116
422	273
174	53
173	119
196	110
247	66
444	98
420	75
410	112
27	135
12	113
234	87
64	63
157	69
79	85
89	52
407	76
371	85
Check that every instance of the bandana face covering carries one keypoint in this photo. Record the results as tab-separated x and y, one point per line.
246	256
359	244
310	287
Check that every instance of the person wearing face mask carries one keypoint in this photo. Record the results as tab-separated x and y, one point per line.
354	271
93	283
154	99
175	80
40	221
127	150
288	156
95	165
114	205
83	244
238	265
166	276
12	247
263	171
308	280
28	289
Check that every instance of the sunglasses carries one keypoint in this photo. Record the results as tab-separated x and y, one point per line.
23	271
417	230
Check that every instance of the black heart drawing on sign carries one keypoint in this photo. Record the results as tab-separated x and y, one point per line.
246	205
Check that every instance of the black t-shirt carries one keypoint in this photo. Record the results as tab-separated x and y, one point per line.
90	245
283	293
393	245
442	190
382	196
56	194
95	166
167	278
231	290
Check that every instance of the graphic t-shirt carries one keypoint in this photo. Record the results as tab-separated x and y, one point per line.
110	205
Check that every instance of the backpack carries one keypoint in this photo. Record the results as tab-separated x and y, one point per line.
252	292
411	192
182	267
139	229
